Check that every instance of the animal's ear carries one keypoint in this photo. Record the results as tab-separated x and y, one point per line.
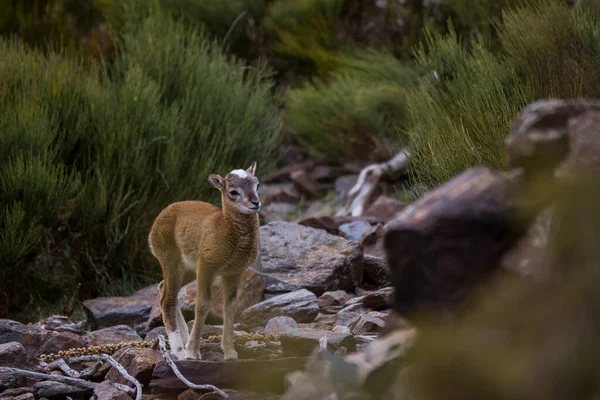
216	181
252	169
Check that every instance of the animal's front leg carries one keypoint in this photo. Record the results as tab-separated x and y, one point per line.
204	282
230	287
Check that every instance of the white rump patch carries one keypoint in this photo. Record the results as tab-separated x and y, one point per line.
240	172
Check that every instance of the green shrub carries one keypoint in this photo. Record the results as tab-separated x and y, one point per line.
467	98
355	115
102	152
303	33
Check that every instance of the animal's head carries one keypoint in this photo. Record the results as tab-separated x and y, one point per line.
239	189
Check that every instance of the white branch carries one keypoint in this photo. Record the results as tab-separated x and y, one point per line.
118	367
367	181
171	363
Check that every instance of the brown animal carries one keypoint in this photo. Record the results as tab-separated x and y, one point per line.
196	238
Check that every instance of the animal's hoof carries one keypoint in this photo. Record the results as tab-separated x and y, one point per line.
193	355
178	355
230	355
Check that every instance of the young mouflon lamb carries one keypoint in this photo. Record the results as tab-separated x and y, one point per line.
196	239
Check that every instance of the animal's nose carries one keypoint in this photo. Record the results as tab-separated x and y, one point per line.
256	203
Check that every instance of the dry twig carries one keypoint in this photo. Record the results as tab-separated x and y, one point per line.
368	179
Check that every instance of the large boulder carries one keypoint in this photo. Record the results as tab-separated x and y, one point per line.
443	246
295	257
301	305
251	375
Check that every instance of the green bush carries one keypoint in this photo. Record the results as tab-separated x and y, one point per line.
101	152
467	98
355	115
303	33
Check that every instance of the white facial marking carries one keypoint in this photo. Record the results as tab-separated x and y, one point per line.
240	172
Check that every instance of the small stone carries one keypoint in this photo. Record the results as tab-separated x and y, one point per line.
156	332
24	396
355	230
366	323
107	391
302	342
112	335
348	313
384	208
16	392
13	354
61	323
340	329
301	305
55	389
54	342
29	336
334	298
259	350
190	394
375	270
138	362
279	325
375	300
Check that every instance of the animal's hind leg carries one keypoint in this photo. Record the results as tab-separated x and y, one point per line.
230	288
173	279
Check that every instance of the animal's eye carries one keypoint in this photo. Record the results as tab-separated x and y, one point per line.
234	193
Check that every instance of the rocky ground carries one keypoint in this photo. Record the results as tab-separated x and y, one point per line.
324	312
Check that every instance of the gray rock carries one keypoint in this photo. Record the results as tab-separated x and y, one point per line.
301	305
24	396
355	230
366	323
279	325
104	312
296	256
302	342
114	334
345	316
259	350
334	298
13	354
156	332
56	389
29	336
54	341
375	270
61	323
107	391
138	362
375	300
